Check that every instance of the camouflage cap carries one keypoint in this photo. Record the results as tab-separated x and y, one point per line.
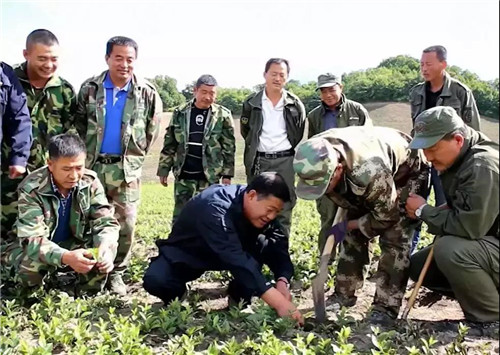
328	80
314	162
433	124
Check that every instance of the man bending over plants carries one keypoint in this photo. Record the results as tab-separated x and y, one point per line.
229	228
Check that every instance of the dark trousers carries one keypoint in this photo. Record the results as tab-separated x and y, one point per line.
466	270
439	198
167	281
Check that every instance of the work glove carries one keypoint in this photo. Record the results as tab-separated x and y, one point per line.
339	231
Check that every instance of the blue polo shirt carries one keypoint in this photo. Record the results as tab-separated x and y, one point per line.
63	229
115	103
330	119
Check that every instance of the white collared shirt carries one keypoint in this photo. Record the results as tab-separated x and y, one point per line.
273	137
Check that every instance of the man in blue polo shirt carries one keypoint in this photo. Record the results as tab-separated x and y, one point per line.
118	116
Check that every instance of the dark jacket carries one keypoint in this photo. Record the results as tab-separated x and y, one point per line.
471	187
351	113
251	123
212	233
15	121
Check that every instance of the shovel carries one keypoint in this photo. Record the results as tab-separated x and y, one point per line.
318	283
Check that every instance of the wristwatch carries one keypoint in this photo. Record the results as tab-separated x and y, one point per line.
418	211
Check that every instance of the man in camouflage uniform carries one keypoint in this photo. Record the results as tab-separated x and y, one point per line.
51	102
272	124
63	211
199	145
466	250
118	116
335	111
368	171
440	89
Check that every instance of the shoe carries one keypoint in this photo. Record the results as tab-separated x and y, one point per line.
483	329
116	285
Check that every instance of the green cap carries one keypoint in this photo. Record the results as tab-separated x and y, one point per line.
314	162
433	124
328	80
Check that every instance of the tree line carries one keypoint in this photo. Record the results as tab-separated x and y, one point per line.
391	80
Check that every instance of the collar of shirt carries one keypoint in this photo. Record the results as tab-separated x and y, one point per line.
108	84
58	193
279	105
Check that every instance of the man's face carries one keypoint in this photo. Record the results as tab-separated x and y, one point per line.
205	96
430	66
261	211
443	154
121	63
42	60
331	95
67	171
335	179
276	76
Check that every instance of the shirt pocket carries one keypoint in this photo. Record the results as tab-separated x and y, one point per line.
416	106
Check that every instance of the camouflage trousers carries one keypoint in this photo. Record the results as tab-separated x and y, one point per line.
283	166
17	267
184	190
125	198
8	192
395	244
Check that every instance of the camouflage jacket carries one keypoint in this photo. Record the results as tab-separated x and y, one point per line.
377	165
251	123
140	122
471	186
351	113
52	112
218	143
92	218
454	94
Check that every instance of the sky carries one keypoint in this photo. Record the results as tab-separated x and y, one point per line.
232	39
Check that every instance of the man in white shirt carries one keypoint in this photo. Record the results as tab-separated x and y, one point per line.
272	124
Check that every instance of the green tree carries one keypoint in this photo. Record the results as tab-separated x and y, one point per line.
167	89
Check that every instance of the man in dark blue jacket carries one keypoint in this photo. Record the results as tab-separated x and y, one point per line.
15	125
229	228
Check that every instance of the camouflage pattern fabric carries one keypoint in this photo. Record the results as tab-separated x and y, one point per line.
140	122
219	143
52	112
29	255
140	128
125	198
184	190
379	173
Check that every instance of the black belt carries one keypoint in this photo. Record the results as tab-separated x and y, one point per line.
109	159
274	155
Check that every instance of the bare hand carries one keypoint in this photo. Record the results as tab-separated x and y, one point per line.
106	258
226	181
79	260
413	202
16	171
163	180
283	289
290	310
